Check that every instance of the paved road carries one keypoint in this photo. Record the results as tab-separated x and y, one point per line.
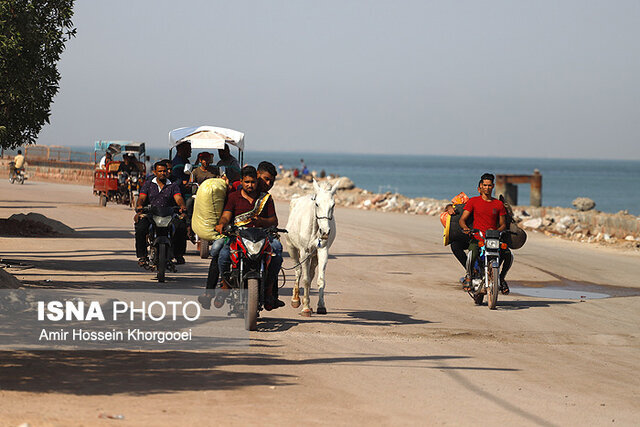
402	344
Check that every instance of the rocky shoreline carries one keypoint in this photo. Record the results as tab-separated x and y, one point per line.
592	226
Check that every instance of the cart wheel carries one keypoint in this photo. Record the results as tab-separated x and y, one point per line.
103	200
204	248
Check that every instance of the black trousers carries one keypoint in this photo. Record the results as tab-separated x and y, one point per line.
178	240
458	247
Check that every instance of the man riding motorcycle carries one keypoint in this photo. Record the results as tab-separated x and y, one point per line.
160	192
18	164
267	173
239	203
488	213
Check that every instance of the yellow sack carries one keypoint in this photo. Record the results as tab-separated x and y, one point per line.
207	208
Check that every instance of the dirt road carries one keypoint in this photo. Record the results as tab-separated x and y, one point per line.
402	344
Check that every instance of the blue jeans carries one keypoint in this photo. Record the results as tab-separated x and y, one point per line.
214	272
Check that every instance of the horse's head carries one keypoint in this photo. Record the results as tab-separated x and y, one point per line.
325	203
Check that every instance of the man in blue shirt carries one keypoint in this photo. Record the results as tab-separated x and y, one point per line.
160	192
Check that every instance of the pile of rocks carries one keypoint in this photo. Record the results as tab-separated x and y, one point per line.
588	226
349	195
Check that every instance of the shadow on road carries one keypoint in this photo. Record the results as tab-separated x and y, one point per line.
522	305
403	254
346	317
137	373
145	373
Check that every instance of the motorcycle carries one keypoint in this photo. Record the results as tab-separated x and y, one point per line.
129	185
134	183
159	235
250	259
16	175
485	277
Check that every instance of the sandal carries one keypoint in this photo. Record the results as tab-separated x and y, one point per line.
221	295
205	301
466	284
504	288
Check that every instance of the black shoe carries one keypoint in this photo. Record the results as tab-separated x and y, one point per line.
180	260
273	303
143	262
504	288
205	301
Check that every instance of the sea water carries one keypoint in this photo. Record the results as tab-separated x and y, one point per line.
613	184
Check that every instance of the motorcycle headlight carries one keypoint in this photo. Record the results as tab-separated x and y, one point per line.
493	244
134	179
162	221
253	248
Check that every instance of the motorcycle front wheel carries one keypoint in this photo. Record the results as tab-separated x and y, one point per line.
494	288
162	261
251	306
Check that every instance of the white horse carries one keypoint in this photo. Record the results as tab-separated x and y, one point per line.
311	231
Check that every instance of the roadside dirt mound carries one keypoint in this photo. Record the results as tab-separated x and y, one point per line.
32	225
8	280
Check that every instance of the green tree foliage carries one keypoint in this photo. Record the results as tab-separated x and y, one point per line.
32	38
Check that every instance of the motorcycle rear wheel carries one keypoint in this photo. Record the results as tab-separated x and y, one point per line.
494	288
162	261
251	306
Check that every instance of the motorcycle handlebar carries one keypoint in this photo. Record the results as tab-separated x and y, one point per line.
231	229
147	209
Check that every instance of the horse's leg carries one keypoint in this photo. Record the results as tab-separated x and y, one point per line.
323	257
306	282
295	256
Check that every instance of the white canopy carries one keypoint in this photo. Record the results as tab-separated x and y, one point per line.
206	137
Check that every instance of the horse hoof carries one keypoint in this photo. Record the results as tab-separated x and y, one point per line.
306	312
295	303
322	310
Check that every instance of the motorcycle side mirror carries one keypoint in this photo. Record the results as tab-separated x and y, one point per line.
188	168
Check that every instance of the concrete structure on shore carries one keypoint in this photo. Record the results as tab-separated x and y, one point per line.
506	186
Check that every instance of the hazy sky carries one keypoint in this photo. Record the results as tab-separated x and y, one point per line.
510	78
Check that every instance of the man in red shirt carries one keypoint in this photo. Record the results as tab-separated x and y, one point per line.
488	214
239	204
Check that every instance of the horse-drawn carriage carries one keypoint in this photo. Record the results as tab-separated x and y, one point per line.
110	182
